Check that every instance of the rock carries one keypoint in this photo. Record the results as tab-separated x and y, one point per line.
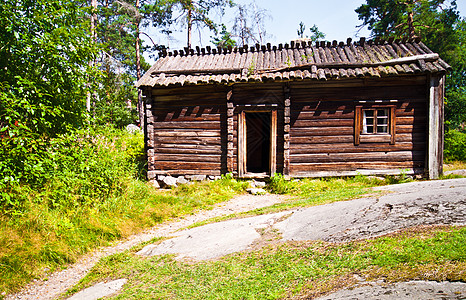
198	177
379	178
169	181
259	184
256	191
217	177
99	290
456	172
161	177
211	177
155	184
181	180
131	128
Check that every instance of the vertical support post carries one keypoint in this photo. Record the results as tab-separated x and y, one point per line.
273	142
435	128
242	144
286	132
148	128
230	149
357	124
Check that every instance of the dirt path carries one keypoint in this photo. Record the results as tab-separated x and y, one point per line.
59	282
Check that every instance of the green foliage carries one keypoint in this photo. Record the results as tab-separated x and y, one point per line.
316	34
44	54
455	146
279	185
397	179
224	39
70	170
455	98
321	188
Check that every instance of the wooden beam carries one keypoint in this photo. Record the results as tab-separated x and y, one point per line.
273	143
242	143
357	124
392	125
230	128
148	128
435	127
286	132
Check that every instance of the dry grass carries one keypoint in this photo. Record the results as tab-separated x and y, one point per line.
456	165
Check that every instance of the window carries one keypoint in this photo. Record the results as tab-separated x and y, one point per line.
374	124
375	121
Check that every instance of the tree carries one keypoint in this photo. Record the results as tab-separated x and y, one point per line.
196	12
406	18
316	34
438	24
249	27
225	38
44	57
120	27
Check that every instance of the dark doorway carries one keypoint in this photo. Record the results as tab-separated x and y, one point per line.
258	142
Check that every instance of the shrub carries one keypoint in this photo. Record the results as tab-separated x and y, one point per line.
75	169
455	146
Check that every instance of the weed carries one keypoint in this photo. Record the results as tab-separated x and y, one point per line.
401	178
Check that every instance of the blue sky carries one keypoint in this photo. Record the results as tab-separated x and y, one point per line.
336	18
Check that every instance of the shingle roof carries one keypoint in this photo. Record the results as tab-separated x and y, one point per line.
300	60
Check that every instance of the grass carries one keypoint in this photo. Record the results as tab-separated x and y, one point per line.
305	269
454	165
43	239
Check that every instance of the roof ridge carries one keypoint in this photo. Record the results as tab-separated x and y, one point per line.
294	44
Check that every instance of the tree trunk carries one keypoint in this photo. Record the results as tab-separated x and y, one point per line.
94	40
412	33
140	107
190	26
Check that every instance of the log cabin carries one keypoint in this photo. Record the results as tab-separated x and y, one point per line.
304	109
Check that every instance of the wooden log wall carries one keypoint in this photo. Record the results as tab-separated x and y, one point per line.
187	131
194	129
322	128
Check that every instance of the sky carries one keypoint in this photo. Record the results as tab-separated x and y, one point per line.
336	18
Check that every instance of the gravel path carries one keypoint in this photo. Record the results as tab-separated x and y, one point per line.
61	281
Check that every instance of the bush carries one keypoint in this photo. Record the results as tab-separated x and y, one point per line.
76	169
455	146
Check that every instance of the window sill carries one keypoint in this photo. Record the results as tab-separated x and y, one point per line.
375	138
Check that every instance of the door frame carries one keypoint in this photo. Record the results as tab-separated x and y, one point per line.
242	142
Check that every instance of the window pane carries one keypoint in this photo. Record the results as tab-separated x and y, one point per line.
382	112
382	121
382	129
368	113
369	129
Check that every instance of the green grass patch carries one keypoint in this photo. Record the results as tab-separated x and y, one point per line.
290	269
